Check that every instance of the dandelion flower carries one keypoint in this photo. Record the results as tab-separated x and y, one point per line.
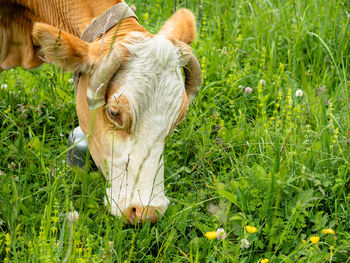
314	239
71	81
221	234
262	83
251	229
4	86
73	216
299	93
248	90
265	260
245	243
331	248
211	235
328	231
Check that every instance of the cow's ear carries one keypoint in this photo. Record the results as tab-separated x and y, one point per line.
181	25
67	50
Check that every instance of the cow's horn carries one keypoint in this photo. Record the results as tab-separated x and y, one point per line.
101	78
192	70
193	77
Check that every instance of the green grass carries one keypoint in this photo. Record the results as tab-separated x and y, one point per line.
267	159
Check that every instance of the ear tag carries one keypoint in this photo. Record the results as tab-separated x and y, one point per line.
77	154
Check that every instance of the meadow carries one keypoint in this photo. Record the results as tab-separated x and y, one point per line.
263	153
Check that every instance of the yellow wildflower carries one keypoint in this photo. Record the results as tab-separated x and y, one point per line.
8	239
331	248
314	239
251	229
328	231
304	242
211	235
265	260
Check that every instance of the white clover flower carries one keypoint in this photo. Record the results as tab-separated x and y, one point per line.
245	243
4	86
262	83
248	90
220	233
240	87
133	8
73	216
71	81
299	93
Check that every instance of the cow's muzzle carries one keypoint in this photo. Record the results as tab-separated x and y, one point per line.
137	214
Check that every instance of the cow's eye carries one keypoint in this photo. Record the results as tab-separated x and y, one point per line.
118	112
115	116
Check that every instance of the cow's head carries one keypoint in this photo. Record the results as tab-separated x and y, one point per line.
129	99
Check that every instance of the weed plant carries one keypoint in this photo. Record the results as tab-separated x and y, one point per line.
263	153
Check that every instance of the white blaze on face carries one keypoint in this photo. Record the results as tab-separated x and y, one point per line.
152	82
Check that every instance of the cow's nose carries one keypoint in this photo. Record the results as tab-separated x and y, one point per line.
137	214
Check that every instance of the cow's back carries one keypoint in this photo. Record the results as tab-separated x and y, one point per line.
18	16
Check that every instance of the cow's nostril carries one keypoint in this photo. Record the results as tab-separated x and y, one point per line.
132	216
137	214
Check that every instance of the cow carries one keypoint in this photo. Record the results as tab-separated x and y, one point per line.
130	92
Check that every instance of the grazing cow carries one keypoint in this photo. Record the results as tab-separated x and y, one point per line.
130	90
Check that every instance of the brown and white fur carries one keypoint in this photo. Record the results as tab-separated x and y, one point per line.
146	98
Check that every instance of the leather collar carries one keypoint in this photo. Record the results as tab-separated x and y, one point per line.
106	21
102	24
